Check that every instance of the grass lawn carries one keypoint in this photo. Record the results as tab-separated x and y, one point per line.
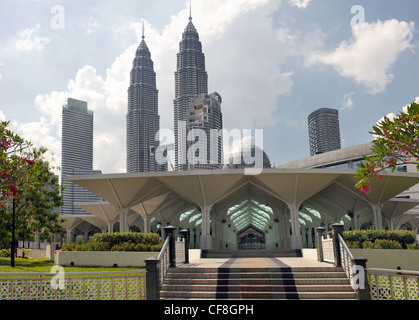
45	265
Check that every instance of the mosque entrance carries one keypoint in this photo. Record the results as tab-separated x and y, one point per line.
251	239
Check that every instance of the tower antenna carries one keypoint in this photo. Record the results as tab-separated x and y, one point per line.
143	31
190	10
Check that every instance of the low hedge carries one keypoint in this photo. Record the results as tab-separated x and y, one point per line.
357	238
126	241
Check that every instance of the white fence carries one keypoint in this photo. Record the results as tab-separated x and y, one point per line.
328	251
118	285
388	284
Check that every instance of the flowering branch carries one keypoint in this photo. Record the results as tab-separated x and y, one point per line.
396	143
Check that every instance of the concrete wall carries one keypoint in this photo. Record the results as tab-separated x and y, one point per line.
389	258
103	258
34	253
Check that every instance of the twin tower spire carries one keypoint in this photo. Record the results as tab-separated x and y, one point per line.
143	120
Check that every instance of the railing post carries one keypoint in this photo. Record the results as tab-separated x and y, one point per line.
185	235
172	245
320	232
337	229
363	288
152	279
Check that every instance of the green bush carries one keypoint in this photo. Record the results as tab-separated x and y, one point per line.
412	246
367	245
5	253
353	244
387	244
127	241
403	237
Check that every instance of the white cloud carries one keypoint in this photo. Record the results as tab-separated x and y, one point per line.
299	3
27	40
92	25
2	116
347	102
369	55
39	134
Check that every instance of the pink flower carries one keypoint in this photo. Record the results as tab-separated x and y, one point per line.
365	189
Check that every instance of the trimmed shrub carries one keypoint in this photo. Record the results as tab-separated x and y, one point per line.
127	241
353	245
403	237
412	246
387	244
367	245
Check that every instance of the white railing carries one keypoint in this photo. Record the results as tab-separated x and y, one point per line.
386	284
118	285
347	260
328	251
164	259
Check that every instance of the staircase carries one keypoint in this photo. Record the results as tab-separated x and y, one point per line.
291	283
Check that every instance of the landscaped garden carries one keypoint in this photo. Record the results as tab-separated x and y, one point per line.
381	239
127	241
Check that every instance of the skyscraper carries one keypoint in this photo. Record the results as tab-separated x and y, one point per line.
324	131
191	80
143	120
76	153
205	151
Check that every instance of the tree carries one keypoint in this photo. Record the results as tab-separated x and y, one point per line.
23	180
40	196
396	143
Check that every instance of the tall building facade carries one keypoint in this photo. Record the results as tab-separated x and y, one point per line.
191	80
76	153
324	131
143	121
205	151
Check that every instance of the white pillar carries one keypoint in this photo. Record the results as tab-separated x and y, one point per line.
147	224
296	239
70	235
123	221
205	228
378	216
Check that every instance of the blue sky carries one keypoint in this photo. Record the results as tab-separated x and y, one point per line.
272	61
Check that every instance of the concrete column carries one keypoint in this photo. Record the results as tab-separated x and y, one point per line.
123	220
36	244
296	238
147	226
216	225
319	234
378	216
206	240
70	235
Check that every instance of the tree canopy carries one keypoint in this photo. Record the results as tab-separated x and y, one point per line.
396	142
26	180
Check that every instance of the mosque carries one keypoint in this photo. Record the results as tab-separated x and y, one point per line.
226	209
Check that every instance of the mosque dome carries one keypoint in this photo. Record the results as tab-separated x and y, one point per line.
245	154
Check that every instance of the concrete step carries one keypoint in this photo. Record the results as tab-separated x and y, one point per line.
258	288
256	275
262	253
257	295
191	269
257	283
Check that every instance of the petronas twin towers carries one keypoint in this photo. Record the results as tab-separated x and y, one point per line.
191	83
